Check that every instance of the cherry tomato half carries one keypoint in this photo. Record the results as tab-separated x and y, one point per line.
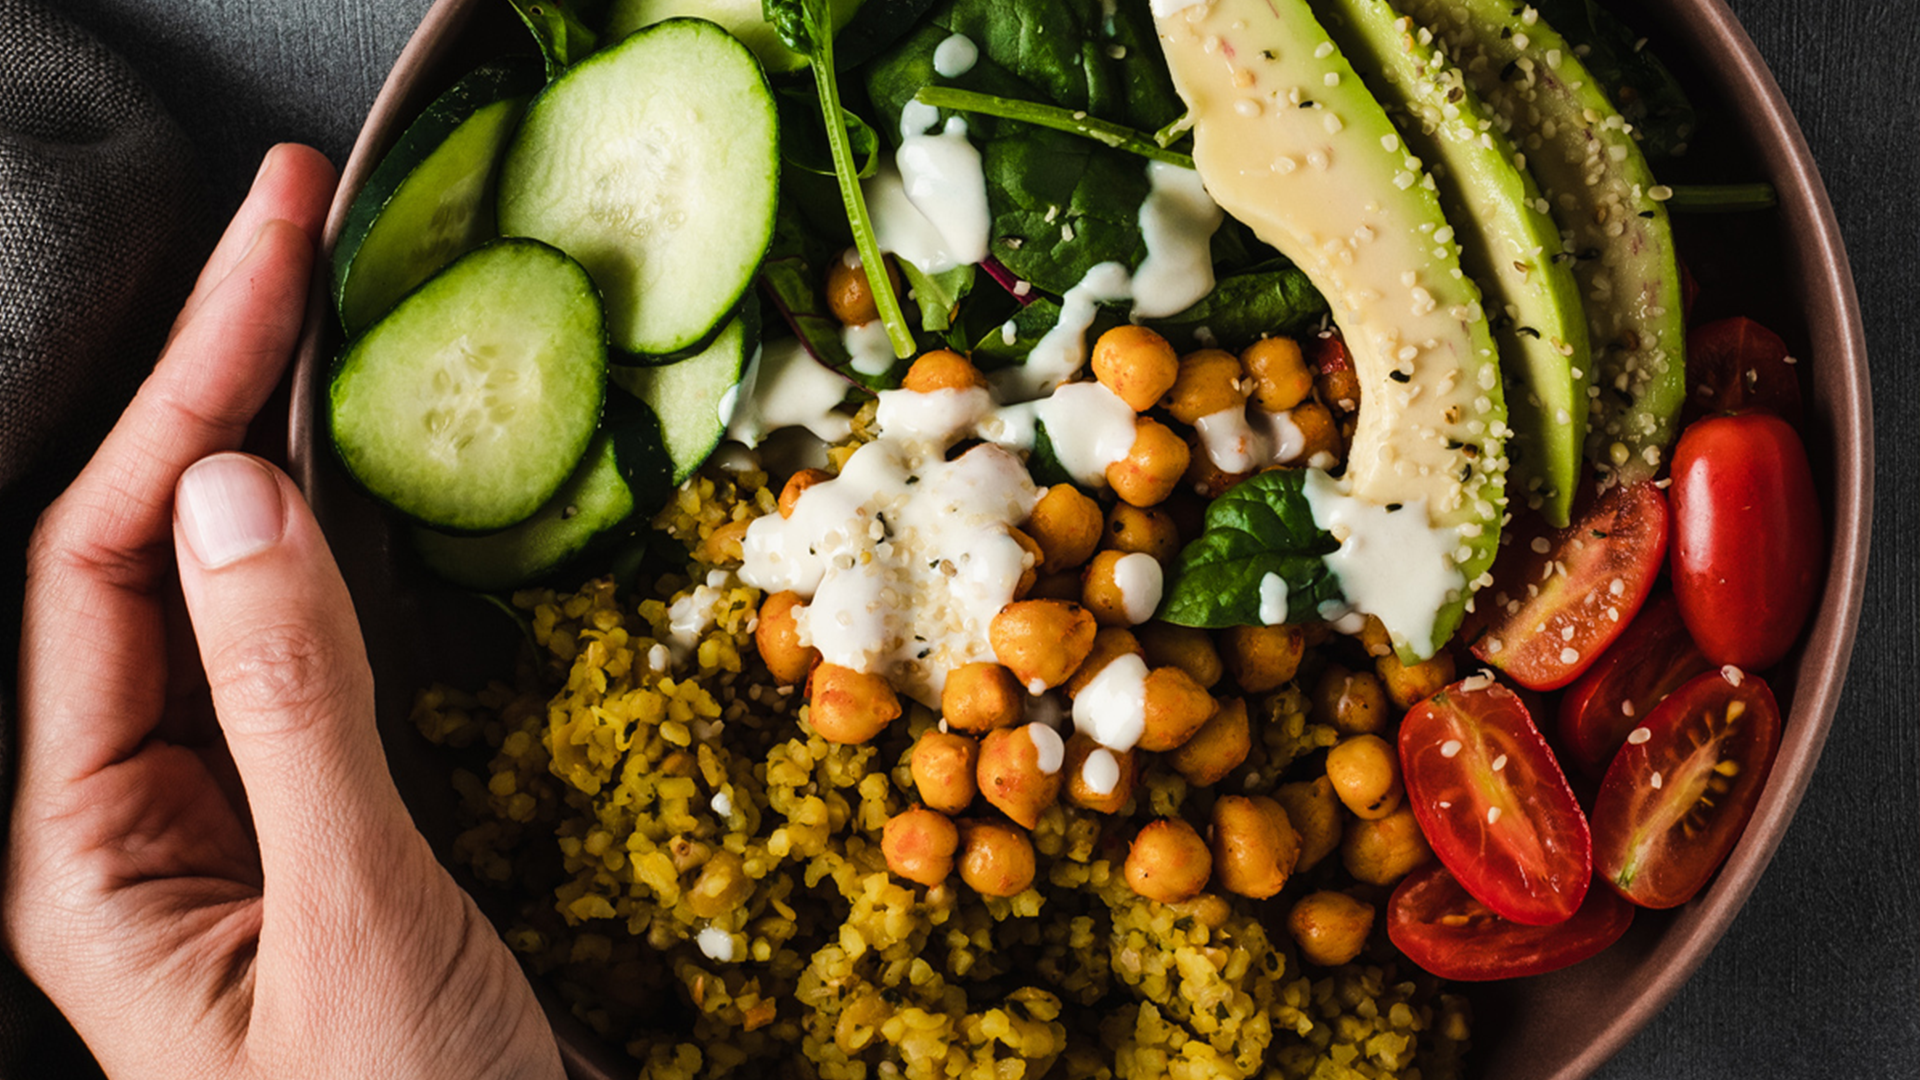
1442	928
1736	364
1746	537
1558	599
1651	660
1493	803
1676	798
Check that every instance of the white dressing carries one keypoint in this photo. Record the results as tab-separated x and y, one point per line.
1112	708
1177	220
1049	752
1393	564
1231	443
929	201
870	349
1139	579
1090	426
955	57
784	386
1273	599
1100	772
716	943
1062	351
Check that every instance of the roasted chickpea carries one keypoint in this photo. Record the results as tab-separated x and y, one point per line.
1254	846
1136	364
1152	468
1383	851
1041	641
850	294
1210	381
725	546
848	706
1176	707
1030	576
797	485
1203	477
1012	772
1338	384
1366	775
1409	684
1330	927
1374	637
981	696
1064	585
943	769
777	637
1210	910
1318	432
1314	811
1353	701
1121	588
1109	644
1262	658
1102	784
1185	647
1217	748
995	859
943	369
919	844
1168	861
1147	530
723	885
1066	525
1278	372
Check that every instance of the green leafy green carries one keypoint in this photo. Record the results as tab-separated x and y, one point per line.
994	347
794	275
937	294
1262	525
1044	463
1637	83
803	135
1243	308
564	40
1071	121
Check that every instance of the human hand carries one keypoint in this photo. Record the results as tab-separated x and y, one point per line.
210	871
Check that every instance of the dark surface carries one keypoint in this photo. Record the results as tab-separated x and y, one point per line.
1820	974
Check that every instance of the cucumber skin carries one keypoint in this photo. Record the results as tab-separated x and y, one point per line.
484	86
637	383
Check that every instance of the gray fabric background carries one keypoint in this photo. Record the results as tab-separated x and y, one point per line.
1820	975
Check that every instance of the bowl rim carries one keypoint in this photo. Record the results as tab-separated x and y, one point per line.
1832	313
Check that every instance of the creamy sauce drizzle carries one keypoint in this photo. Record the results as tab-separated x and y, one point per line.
784	386
1112	708
1393	564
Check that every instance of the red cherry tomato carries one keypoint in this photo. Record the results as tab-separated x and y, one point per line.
1494	804
1676	798
1651	660
1746	537
1736	364
1559	599
1442	928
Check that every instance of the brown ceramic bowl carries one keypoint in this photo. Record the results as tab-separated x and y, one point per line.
1786	265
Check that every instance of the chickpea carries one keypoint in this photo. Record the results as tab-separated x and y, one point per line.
1319	434
1352	701
1152	468
1203	477
943	770
1030	576
1314	811
1066	524
943	369
1263	658
1064	585
726	545
1217	748
723	885
1168	862
1185	647
848	706
1254	846
1409	684
850	294
1147	530
1041	641
1136	364
1176	707
919	845
1330	927
1375	638
1383	851
1338	385
995	859
1117	586
1109	644
1010	772
1210	381
1366	775
797	485
1278	372
777	637
1084	782
980	697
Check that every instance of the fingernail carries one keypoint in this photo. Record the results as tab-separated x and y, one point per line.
267	162
229	508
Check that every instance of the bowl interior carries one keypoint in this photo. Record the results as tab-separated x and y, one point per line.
1784	266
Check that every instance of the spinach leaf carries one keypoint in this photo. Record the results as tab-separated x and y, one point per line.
1638	84
937	294
793	277
803	134
564	40
1245	307
995	348
1044	463
1261	526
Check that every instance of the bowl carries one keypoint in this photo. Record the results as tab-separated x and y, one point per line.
1786	265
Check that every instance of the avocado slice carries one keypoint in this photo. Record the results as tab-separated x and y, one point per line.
1603	195
1509	245
1288	140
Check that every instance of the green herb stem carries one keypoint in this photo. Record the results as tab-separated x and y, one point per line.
1071	121
1721	198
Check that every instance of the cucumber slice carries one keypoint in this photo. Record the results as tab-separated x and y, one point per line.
469	405
656	164
694	397
744	19
431	198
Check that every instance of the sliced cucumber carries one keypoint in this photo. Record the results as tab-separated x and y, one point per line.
431	198
470	404
744	19
656	164
693	397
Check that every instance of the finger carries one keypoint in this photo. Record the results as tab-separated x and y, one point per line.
294	185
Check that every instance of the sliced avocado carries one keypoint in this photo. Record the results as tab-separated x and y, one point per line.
1508	243
1601	192
1289	141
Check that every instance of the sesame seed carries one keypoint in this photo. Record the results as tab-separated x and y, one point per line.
1493	815
1733	675
1569	656
1654	781
1449	748
1639	735
1499	763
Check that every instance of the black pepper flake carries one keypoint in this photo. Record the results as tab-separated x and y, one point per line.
923	654
1391	507
1646	213
1507	73
1506	32
1466	470
912	480
1454	444
1269	54
1399	376
1456	93
1309	104
1529	331
1625	398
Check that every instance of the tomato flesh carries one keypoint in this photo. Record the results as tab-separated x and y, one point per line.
1681	789
1651	660
1561	597
1442	928
1737	364
1493	803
